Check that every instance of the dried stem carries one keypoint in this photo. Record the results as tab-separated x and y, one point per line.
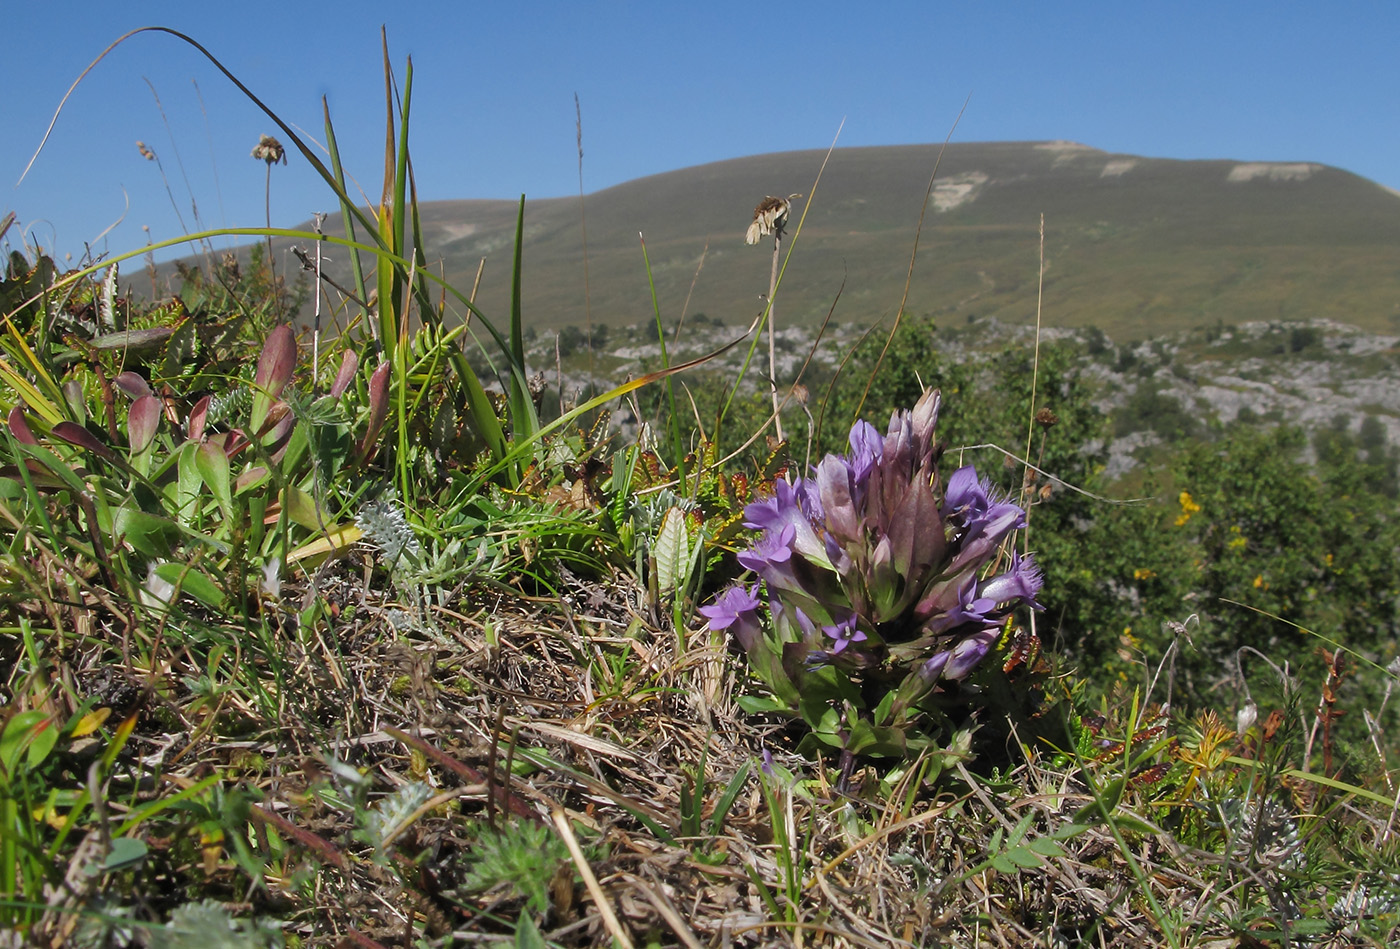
772	358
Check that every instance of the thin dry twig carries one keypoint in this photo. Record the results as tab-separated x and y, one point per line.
600	900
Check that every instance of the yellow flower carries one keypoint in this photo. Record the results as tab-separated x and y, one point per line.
1188	507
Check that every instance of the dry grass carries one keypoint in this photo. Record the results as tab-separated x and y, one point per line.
581	707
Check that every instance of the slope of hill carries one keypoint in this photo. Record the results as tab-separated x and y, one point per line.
1136	246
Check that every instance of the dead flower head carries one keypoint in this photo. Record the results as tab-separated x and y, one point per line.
146	152
270	150
769	217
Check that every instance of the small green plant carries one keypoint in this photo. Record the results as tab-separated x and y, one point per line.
522	857
692	804
780	789
207	925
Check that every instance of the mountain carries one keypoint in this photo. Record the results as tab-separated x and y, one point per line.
1136	246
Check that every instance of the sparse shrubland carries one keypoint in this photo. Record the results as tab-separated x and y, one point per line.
370	638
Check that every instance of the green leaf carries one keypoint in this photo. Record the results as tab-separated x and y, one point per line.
125	852
43	741
1047	847
301	508
193	582
875	740
1137	825
1069	830
1024	858
672	550
527	934
757	704
1018	833
20	732
212	464
882	711
726	801
523	420
133	340
148	534
187	483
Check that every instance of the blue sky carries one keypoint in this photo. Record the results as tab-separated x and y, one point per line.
662	86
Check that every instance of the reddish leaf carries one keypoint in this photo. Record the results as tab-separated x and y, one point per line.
279	434
277	362
40	475
198	415
132	384
1146	777
275	367
231	442
19	427
348	364
278	423
75	434
142	421
378	407
250	477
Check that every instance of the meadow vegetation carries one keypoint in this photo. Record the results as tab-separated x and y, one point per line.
367	637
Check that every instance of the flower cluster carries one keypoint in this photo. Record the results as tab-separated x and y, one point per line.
878	582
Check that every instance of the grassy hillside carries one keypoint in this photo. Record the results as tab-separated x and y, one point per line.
319	634
1136	246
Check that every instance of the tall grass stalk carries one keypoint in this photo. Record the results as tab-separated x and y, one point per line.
913	256
762	319
772	320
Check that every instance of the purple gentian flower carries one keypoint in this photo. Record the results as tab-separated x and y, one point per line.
774	547
867	449
925	418
791	505
839	492
967	494
969	652
984	516
1020	583
968	608
843	633
932	669
869	549
736	609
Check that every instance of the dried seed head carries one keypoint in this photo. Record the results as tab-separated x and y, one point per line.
145	151
1245	717
769	217
1046	418
269	150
